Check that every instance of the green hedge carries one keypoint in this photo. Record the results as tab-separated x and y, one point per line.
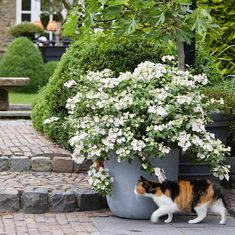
23	59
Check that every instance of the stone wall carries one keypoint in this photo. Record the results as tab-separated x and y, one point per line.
7	19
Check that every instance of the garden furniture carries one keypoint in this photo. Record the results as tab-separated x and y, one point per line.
5	84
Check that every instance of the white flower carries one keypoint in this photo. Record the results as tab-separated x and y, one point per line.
50	120
168	57
70	83
160	173
183	139
137	145
197	125
197	141
161	111
183	99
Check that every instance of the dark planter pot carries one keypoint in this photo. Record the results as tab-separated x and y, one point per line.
188	170
124	202
52	53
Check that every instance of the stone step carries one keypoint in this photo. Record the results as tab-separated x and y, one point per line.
13	114
42	164
20	107
47	192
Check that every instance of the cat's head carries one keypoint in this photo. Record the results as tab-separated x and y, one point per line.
144	187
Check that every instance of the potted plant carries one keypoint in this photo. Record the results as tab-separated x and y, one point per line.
140	118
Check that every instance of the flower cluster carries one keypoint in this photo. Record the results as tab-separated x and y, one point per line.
142	114
100	179
50	120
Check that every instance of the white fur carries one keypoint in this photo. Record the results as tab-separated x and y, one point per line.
218	208
201	213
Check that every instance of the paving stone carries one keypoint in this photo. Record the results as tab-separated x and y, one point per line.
82	167
20	164
62	201
62	164
87	200
35	201
9	200
4	163
41	164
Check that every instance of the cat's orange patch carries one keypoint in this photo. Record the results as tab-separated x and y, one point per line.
185	197
207	197
158	192
140	189
168	193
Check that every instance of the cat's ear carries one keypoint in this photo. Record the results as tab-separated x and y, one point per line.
142	178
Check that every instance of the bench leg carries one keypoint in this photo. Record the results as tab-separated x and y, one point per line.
4	101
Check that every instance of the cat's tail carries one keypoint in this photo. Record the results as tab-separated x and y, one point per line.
221	194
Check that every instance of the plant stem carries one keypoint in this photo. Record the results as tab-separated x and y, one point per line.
180	53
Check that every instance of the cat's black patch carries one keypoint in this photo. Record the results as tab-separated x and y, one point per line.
151	187
172	186
199	189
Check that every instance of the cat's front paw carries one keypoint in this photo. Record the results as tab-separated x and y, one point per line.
192	221
167	221
222	222
154	219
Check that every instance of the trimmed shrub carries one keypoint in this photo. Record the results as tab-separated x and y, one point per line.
23	59
120	56
25	29
49	69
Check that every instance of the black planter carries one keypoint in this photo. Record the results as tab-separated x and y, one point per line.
52	53
188	170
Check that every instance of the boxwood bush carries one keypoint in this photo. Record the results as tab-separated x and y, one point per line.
49	69
25	29
23	59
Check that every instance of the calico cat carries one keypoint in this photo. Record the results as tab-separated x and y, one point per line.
189	196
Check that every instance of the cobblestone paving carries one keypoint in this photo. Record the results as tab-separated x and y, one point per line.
46	180
75	223
18	138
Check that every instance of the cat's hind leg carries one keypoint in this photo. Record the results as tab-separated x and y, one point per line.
169	219
219	208
201	211
163	210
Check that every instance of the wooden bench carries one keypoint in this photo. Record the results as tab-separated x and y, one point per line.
5	84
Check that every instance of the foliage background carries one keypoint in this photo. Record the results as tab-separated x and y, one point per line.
223	46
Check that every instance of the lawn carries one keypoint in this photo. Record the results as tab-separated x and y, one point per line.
21	98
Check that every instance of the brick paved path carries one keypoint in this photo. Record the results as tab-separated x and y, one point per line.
18	138
43	180
76	223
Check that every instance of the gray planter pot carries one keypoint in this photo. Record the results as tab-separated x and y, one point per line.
188	170
123	202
